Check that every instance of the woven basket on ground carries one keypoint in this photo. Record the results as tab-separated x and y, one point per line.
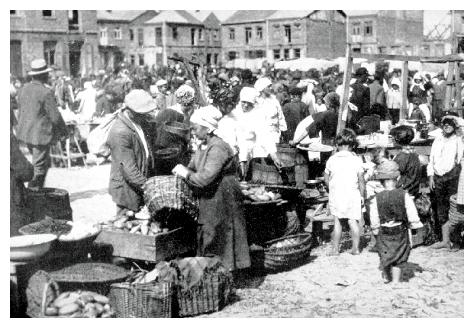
211	296
169	191
280	258
150	300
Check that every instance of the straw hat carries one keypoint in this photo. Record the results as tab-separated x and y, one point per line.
39	66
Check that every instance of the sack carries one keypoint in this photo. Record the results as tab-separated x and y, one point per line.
97	139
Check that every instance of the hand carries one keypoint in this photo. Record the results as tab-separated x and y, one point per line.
375	231
431	183
276	161
292	143
181	171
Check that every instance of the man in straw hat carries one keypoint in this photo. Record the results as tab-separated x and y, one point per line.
131	154
392	214
39	124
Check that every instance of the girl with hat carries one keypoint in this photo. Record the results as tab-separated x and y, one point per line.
212	175
392	213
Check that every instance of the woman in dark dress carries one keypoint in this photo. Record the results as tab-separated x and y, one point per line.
407	160
212	176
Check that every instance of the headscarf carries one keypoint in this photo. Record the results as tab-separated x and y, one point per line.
262	83
207	116
185	95
420	85
249	95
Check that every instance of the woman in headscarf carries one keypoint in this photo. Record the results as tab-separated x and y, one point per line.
417	89
171	140
211	174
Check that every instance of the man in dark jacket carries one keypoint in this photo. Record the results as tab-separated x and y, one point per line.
39	124
361	94
131	154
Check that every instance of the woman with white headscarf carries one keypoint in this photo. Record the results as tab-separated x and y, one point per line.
87	105
212	176
417	89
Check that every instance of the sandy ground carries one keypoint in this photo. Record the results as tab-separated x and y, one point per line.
343	286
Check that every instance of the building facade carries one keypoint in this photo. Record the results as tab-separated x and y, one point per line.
284	34
66	39
386	32
445	39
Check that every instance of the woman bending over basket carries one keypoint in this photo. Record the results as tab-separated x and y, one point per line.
212	176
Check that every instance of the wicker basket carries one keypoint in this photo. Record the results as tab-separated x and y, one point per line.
169	191
275	259
211	296
268	174
151	300
92	276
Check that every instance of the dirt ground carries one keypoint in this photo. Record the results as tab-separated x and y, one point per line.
342	286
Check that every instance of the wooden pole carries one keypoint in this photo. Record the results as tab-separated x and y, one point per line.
346	84
404	91
449	86
458	102
163	44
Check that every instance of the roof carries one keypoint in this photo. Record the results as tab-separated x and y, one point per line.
355	13
288	14
174	16
247	16
221	15
118	15
212	21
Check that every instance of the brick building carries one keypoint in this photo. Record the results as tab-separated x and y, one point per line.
284	34
212	31
116	36
386	31
66	39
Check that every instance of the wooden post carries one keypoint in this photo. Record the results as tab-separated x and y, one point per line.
458	103
449	87
345	96
163	44
404	91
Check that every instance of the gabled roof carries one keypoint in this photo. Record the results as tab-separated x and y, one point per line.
248	16
288	14
174	16
118	15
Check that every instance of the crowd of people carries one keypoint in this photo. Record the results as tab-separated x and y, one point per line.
162	128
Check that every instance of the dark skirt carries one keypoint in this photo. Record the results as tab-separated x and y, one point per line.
393	246
222	228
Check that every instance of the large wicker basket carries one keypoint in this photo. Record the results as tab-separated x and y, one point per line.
268	174
169	191
275	259
151	300
211	296
41	291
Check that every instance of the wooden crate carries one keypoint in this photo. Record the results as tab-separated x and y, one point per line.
149	248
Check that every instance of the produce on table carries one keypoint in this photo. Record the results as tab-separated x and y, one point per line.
80	304
258	194
79	231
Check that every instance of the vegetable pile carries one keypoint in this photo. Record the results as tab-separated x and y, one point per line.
285	243
80	304
258	194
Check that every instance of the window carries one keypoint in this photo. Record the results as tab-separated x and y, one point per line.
425	50
216	57
368	28
248	34
232	55
408	50
174	32
200	35
382	50
260	32
215	35
250	54
49	48
356	29
297	53
286	53
208	59
141	60
260	54
47	13
132	35
232	34
118	33
13	12
356	50
103	35
132	59
158	36
73	19
140	37
192	37
288	33
395	50
276	54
